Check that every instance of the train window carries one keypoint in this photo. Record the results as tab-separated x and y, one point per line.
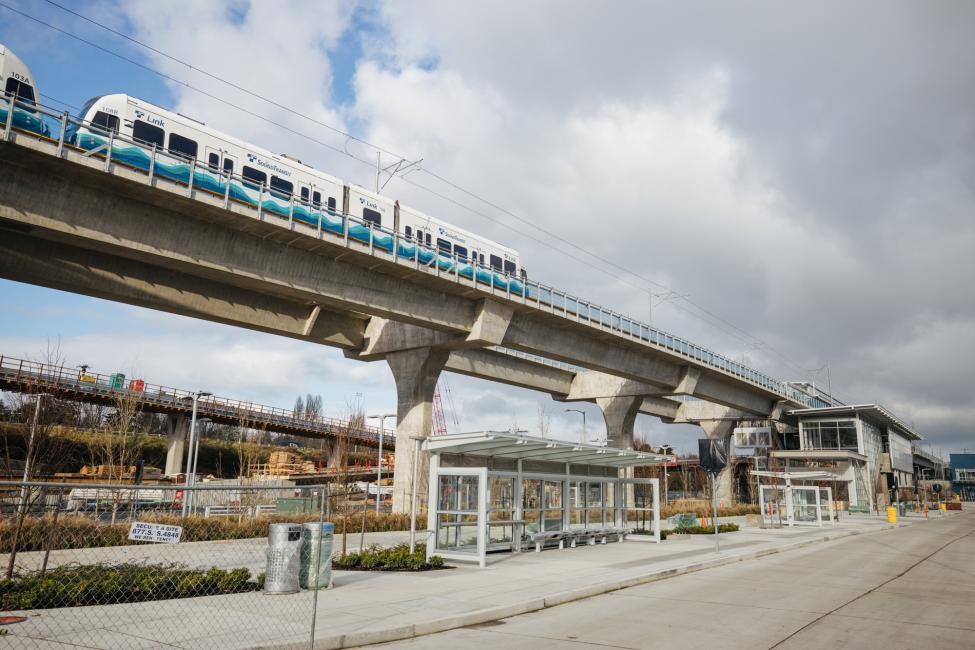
371	216
331	204
182	146
282	187
148	134
495	262
213	161
509	267
428	240
228	166
304	194
443	246
316	199
24	92
461	253
106	121
409	232
255	176
419	236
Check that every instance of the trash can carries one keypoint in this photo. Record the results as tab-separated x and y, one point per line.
283	549
901	508
315	536
891	515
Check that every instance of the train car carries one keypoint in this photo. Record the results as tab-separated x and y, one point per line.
284	187
19	83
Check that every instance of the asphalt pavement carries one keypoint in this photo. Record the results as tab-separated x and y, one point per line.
911	587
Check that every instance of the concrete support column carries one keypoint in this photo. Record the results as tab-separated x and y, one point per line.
415	373
725	480
620	416
177	426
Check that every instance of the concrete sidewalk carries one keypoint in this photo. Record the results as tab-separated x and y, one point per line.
365	607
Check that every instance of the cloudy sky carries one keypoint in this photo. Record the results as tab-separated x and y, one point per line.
791	183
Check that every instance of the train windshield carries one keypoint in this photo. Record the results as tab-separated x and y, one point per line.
22	91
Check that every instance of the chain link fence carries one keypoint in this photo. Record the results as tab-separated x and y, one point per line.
102	566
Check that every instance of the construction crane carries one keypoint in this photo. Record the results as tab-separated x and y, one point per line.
439	416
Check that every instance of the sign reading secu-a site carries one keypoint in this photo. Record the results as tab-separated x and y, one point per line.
141	531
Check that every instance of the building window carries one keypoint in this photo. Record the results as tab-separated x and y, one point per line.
967	475
183	147
840	434
148	134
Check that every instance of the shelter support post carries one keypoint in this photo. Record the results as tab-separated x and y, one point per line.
416	373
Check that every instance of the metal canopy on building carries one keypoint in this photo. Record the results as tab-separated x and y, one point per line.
878	414
502	444
797	475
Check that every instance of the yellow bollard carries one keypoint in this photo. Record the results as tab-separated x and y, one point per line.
944	507
892	515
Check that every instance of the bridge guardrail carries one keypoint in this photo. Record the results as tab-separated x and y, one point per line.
72	379
316	221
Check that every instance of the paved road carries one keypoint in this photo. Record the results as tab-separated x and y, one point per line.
907	588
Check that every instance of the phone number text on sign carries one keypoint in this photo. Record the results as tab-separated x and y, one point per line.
141	531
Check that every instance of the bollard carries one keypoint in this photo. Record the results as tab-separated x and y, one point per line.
281	574
892	515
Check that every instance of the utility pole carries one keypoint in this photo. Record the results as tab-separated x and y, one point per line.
379	468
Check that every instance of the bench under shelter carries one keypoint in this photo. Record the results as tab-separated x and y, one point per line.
502	492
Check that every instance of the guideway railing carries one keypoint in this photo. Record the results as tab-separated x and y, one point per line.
22	374
117	567
315	220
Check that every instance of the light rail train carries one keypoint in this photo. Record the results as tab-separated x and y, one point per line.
143	136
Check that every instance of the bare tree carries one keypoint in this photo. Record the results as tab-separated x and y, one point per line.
544	421
40	442
117	446
342	450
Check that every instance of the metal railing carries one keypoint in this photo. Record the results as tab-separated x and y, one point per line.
199	179
100	387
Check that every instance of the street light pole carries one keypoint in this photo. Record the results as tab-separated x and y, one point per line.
379	467
190	457
584	437
30	448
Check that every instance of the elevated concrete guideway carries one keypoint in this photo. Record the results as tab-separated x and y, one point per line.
118	234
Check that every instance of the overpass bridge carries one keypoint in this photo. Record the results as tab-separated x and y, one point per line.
86	222
24	376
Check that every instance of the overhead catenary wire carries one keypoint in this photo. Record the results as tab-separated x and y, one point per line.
711	318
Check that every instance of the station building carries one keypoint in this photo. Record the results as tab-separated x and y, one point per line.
963	475
864	446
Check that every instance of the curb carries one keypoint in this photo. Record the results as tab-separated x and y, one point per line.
403	632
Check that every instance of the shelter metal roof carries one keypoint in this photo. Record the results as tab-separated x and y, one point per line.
503	444
808	475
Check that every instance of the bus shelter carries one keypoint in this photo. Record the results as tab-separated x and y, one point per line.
787	499
495	491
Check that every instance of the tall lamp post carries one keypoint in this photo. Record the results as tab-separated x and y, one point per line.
584	437
379	467
30	446
190	456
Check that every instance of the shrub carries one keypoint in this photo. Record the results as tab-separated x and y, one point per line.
79	531
699	530
396	558
107	584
